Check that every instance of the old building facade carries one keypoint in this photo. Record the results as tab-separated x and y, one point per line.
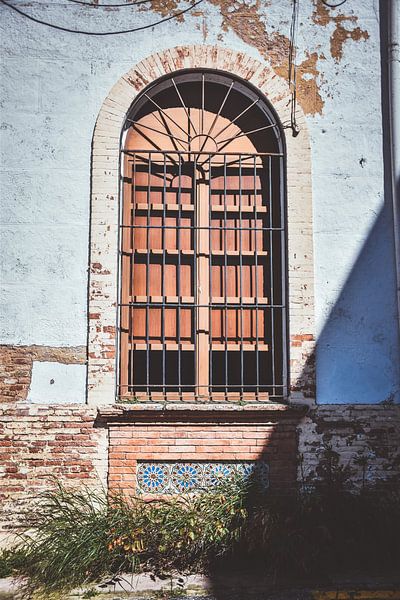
198	246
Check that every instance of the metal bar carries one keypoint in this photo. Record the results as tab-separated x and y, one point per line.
199	305
244	134
271	266
256	279
132	261
240	277
283	276
195	311
189	131
163	280
167	127
217	115
233	385
178	245
225	290
184	106
202	101
222	154
148	280
172	137
236	118
165	114
123	347
210	364
146	137
191	227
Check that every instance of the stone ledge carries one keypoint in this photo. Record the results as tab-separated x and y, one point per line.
160	412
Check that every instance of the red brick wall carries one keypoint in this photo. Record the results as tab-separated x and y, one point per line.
276	443
38	443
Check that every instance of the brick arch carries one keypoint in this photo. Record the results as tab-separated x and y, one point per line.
103	282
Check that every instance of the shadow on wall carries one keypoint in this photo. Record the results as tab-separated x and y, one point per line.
358	350
358	353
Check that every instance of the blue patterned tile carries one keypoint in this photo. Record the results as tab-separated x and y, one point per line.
153	478
214	473
186	477
165	477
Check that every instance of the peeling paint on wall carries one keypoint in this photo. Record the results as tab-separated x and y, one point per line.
308	94
245	19
323	16
16	367
246	22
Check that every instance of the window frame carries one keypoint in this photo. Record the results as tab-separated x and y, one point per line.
270	114
105	188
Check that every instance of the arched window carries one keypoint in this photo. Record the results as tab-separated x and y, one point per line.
203	244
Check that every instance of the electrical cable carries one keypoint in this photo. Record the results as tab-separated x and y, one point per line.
92	5
101	33
292	70
329	5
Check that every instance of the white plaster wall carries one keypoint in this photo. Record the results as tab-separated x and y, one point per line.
53	86
56	383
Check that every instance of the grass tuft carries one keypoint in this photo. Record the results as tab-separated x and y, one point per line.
77	538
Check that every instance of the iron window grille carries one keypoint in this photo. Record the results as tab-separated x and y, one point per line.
202	306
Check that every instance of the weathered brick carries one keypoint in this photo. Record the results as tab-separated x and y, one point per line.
37	449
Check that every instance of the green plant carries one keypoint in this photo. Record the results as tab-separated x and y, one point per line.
83	536
11	561
170	594
90	594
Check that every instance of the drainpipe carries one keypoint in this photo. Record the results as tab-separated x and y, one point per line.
394	126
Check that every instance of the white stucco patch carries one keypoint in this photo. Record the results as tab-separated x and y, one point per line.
56	383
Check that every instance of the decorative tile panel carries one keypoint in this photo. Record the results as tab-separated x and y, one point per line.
164	477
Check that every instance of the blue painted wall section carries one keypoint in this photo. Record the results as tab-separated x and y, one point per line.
358	349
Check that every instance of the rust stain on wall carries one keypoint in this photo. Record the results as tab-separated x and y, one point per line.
323	16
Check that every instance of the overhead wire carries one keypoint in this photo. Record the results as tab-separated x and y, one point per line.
93	5
99	33
329	5
292	66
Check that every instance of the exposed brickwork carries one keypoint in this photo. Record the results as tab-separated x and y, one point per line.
16	366
104	210
38	443
355	432
302	366
274	440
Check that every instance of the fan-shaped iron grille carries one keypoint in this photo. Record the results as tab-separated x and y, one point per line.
202	295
